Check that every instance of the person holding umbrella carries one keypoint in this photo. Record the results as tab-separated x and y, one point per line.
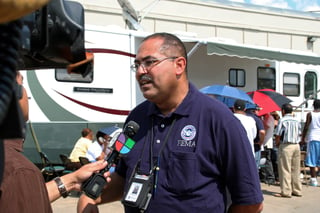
247	122
267	170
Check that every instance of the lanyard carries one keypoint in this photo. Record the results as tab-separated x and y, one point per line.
163	144
156	168
150	137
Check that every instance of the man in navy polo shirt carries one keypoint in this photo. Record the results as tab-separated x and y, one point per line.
190	149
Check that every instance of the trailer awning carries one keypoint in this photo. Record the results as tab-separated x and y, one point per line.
261	53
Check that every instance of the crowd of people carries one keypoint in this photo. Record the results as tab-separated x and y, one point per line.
277	147
260	132
192	154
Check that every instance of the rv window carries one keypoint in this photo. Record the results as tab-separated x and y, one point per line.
64	76
266	78
310	84
291	84
237	77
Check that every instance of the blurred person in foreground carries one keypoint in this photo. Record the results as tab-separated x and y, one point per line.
189	148
287	140
23	188
311	135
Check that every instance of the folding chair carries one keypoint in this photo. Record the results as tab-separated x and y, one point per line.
83	160
50	171
67	164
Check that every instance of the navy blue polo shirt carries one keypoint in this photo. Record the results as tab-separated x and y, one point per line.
259	125
206	152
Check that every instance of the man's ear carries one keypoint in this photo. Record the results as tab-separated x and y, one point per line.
180	64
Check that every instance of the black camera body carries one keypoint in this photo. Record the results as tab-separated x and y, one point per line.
53	37
50	37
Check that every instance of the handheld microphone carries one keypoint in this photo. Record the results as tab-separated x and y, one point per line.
121	144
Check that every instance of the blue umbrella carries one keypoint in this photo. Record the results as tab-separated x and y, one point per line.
226	94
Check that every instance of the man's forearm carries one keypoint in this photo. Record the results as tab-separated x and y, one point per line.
257	208
262	135
277	139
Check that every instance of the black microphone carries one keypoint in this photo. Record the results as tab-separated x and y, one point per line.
121	144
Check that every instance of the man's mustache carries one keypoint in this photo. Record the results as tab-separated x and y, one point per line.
145	78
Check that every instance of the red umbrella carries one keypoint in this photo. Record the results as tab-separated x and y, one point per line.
268	100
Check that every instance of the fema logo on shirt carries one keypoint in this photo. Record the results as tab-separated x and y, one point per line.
188	133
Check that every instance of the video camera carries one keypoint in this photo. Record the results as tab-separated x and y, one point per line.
53	37
49	37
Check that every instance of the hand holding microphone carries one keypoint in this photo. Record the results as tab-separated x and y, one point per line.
121	144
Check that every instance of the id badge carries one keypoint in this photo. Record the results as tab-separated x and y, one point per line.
139	191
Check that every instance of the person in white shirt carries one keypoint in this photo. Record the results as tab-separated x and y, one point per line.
247	122
99	149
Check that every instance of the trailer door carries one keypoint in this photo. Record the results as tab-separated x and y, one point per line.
310	86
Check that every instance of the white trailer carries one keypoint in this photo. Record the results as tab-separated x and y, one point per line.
61	105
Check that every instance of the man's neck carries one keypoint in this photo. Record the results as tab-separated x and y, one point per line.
172	103
240	112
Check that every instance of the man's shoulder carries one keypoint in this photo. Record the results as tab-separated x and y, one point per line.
142	107
245	119
251	120
94	145
289	117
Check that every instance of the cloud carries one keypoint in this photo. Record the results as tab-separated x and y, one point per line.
311	8
300	5
272	3
307	5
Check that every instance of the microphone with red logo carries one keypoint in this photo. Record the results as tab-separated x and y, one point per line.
122	144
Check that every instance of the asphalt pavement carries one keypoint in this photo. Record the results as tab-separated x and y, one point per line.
308	203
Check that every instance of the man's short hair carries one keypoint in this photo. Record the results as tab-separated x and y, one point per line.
85	132
239	105
316	104
287	108
171	42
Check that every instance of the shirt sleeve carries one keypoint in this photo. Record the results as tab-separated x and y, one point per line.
278	129
25	191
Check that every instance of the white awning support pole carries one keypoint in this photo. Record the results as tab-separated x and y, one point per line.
195	47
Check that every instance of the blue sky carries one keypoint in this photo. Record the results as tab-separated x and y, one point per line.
300	5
